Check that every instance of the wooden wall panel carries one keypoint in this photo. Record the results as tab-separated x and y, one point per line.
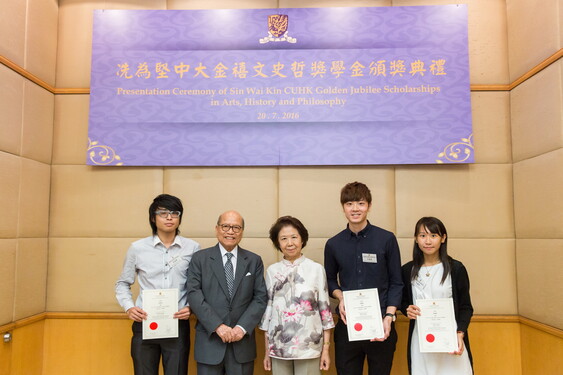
542	352
5	357
495	347
93	344
87	347
27	349
400	366
101	346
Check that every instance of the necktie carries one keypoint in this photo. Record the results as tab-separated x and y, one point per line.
229	274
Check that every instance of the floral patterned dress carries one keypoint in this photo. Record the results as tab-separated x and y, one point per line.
298	309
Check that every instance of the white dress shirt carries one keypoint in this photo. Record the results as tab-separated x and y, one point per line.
156	267
233	259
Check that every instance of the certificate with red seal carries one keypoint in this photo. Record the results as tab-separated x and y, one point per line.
160	306
363	314
436	325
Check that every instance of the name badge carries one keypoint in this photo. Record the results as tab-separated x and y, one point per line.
369	258
174	261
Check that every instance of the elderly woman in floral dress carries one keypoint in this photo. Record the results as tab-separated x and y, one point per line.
298	319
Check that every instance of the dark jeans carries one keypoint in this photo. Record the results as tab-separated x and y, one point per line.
350	355
175	352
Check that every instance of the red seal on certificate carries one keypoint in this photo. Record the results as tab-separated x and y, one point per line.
430	337
153	325
358	327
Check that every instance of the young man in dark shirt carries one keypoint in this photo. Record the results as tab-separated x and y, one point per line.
363	256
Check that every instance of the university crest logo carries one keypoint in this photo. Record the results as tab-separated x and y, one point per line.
277	29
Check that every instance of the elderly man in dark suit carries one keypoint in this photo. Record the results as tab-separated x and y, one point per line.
226	291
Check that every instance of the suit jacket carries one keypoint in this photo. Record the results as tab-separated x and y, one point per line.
209	299
460	294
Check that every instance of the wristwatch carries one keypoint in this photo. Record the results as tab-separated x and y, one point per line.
391	315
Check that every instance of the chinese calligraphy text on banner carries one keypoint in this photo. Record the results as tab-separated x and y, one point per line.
326	86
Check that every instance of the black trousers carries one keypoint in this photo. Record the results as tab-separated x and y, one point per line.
175	352
350	355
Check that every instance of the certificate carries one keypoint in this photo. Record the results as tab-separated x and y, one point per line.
363	314
436	325
160	306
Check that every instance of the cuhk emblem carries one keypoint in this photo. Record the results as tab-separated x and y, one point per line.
277	29
277	24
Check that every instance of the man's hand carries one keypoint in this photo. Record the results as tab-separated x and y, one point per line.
387	320
137	314
183	314
338	294
225	333
237	334
342	310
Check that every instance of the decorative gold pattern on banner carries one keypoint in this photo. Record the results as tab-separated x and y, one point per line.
457	152
102	155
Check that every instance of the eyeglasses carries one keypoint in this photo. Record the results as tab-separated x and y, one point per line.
165	213
227	227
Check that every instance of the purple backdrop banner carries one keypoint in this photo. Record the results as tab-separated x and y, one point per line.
308	86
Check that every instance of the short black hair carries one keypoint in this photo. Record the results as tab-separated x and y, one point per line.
168	202
288	221
354	192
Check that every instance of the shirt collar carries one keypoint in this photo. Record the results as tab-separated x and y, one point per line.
156	240
364	232
223	251
295	263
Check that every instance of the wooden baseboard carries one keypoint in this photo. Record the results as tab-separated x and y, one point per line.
53	343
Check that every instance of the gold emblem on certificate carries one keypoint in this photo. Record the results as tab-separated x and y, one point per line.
436	325
160	306
363	314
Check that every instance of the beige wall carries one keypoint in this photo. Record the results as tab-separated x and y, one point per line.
94	212
29	40
535	33
66	226
475	201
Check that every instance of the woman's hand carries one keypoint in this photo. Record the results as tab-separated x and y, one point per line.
267	359
460	344
267	362
413	311
325	358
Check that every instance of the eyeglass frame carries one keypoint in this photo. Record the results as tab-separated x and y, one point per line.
229	227
168	212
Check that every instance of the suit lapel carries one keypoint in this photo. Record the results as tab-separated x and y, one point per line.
242	267
219	269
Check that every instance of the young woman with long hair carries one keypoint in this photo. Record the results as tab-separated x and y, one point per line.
434	274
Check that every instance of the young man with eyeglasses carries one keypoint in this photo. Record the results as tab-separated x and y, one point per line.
227	292
159	262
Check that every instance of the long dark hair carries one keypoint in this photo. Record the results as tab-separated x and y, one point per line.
432	225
